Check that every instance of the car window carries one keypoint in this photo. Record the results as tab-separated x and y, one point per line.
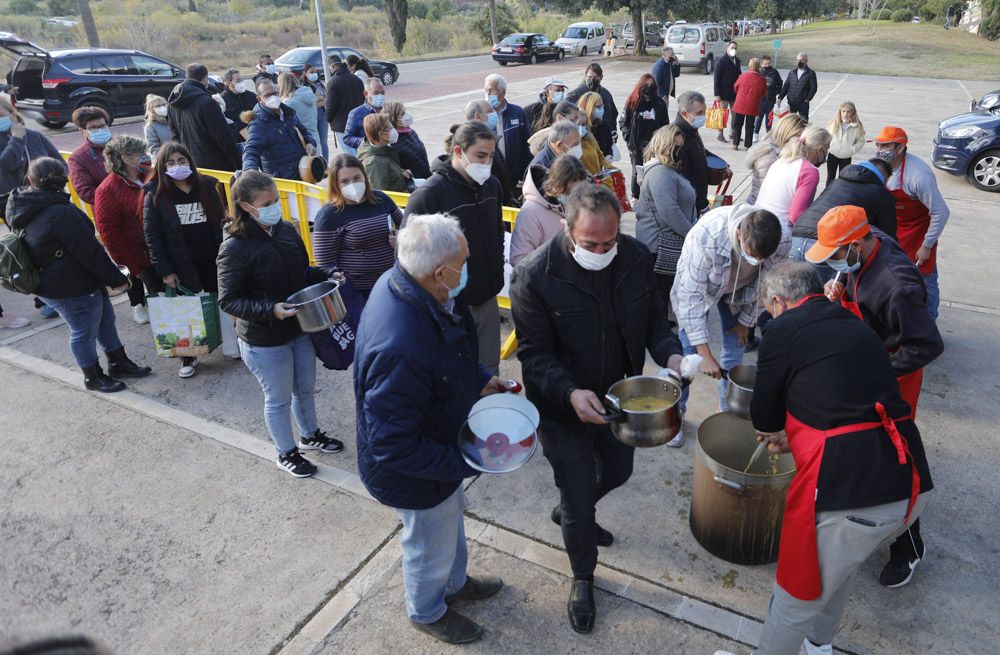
109	65
77	65
575	33
541	40
711	35
684	35
149	66
515	39
351	51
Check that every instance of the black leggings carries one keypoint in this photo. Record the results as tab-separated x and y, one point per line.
743	124
147	282
834	165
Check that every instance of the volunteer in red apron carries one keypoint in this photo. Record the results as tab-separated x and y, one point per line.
879	284
826	381
921	212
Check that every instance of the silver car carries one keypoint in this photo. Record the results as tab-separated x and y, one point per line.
698	45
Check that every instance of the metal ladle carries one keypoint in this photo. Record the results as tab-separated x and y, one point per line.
756	455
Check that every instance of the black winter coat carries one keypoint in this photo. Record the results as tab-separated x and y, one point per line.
694	166
480	214
236	104
560	343
197	121
774	82
727	71
610	119
856	186
798	89
62	243
638	127
161	226
255	272
344	92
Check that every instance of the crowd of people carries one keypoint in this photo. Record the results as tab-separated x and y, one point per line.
428	342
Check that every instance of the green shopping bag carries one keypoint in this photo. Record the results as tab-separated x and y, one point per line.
185	325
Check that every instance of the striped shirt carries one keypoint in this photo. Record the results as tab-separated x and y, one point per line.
355	239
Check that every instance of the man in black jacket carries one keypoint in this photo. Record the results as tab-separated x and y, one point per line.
694	165
774	82
592	78
197	121
238	99
586	310
727	71
344	92
800	86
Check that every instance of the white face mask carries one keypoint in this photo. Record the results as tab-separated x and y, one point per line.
592	261
160	111
393	135
576	151
273	102
478	172
407	119
354	192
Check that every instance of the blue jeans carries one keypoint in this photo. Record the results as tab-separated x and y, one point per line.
91	320
287	375
801	245
732	354
434	556
765	108
324	134
933	292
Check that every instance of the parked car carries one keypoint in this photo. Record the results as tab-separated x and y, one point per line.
915	19
53	83
526	49
582	39
296	59
653	37
989	100
698	45
969	145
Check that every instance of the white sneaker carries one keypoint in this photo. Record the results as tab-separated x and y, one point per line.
188	369
12	322
677	441
809	648
140	314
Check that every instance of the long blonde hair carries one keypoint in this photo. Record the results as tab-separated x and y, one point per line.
586	103
835	123
812	138
287	85
151	116
788	127
661	146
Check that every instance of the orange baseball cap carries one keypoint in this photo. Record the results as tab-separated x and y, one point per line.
890	134
838	227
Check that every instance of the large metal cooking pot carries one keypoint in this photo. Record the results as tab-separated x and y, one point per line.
644	429
312	168
739	391
736	515
319	307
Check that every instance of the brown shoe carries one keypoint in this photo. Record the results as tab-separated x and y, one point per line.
476	589
452	628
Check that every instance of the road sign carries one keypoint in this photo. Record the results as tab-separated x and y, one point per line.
777	44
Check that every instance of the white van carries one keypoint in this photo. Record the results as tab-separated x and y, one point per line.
582	39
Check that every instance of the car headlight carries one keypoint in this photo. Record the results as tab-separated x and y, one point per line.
960	132
989	101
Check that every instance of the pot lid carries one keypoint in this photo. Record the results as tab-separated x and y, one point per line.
497	438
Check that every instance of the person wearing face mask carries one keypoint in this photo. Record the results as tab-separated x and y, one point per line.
545	196
355	230
463	186
411	150
586	312
694	162
722	260
354	132
825	392
311	79
665	72
156	130
238	98
18	146
727	71
118	217
879	283
380	159
262	261
750	88
790	184
480	110
644	114
592	155
276	138
605	129
86	164
197	121
540	113
800	86
563	138
301	99
565	111
415	379
774	82
344	92
182	219
512	128
762	155
921	212
266	70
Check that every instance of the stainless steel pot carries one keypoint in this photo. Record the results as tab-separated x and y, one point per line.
736	515
739	391
319	307
644	429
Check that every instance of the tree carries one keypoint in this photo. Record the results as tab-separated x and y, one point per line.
397	11
89	26
989	28
504	23
25	7
492	5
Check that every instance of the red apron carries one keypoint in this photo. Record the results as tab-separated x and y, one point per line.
798	555
912	221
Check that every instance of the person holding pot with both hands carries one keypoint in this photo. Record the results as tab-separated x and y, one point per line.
586	309
261	263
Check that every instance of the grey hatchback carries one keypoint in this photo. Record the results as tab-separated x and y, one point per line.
698	45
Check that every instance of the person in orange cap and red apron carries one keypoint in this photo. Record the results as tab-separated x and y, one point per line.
878	283
826	392
921	212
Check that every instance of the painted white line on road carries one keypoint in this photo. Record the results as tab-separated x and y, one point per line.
832	91
965	90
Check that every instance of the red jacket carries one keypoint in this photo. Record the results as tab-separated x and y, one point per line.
118	216
751	87
86	170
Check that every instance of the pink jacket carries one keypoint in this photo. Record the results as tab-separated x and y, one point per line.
537	222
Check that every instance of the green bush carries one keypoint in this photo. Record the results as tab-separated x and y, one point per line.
25	7
901	16
506	23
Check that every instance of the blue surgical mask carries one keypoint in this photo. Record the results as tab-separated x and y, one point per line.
491	121
598	112
562	200
753	261
463	279
99	136
493	100
378	100
699	122
270	215
558	96
583	130
5	124
312	77
842	266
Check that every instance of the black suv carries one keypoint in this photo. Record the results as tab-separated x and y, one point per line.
53	83
296	59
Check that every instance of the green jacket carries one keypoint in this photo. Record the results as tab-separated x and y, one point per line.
382	167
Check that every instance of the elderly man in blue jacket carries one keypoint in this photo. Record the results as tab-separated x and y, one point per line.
354	131
275	136
416	376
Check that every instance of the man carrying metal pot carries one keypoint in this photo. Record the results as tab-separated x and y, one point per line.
827	392
586	309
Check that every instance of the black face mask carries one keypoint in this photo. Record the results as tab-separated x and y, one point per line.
593	84
802	64
648	90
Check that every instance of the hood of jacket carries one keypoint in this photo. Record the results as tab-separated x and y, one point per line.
533	189
739	212
442	166
25	204
263	114
860	174
186	93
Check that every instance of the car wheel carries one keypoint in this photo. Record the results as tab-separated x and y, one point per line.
533	59
387	78
984	171
502	63
561	55
52	125
583	52
709	66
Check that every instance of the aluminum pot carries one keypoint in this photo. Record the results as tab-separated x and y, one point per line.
312	168
644	429
739	391
319	307
736	515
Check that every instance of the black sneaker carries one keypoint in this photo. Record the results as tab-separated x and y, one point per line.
296	464
904	555
319	441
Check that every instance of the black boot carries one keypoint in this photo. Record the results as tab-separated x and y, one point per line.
581	608
95	380
452	628
120	366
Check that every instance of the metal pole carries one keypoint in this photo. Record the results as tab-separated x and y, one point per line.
325	66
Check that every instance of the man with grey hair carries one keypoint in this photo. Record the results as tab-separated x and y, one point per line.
416	376
800	86
512	127
564	138
354	131
585	318
694	156
826	392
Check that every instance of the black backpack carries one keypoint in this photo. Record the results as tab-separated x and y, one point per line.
17	271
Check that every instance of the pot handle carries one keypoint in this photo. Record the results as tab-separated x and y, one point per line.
735	486
614	413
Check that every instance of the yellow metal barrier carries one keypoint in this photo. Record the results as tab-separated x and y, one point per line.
300	201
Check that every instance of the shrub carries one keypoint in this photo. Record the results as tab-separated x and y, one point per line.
25	7
901	16
506	23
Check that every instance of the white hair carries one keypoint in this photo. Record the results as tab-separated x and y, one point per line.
561	130
791	281
496	78
371	82
804	55
476	107
426	242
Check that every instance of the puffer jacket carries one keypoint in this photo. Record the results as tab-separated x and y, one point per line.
118	216
197	121
258	270
61	242
857	186
848	139
382	167
17	153
273	145
538	221
760	157
416	376
156	133
478	210
87	170
703	272
750	87
303	102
